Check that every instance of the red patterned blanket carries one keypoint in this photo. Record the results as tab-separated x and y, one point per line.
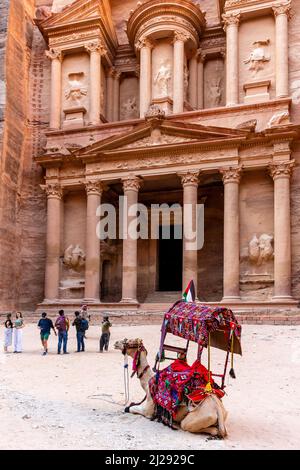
171	386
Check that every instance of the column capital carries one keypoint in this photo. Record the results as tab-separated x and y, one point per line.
54	54
231	18
281	169
180	36
53	190
144	42
131	183
201	56
189	178
111	72
95	46
282	8
117	74
231	174
94	187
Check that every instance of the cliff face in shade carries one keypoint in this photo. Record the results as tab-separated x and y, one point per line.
22	213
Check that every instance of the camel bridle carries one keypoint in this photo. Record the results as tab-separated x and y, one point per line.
139	346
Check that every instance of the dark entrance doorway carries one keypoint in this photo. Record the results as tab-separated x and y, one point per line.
169	262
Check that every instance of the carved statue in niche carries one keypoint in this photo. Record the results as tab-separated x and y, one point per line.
258	56
74	257
260	249
129	108
102	99
295	89
214	91
163	78
185	81
75	91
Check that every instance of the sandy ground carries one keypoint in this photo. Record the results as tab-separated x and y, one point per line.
76	401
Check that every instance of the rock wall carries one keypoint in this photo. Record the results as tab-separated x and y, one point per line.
22	216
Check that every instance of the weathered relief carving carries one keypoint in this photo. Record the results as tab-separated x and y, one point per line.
156	138
42	13
186	81
260	250
258	56
76	90
74	257
129	108
248	125
162	79
295	89
213	85
279	119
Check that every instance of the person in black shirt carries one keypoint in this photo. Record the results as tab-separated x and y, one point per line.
8	332
78	323
45	325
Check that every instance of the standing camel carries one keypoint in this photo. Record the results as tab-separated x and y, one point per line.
207	417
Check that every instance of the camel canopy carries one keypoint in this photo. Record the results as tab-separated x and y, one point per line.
206	325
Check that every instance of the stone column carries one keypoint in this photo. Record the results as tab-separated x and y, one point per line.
96	50
92	260
231	26
116	110
145	46
281	173
131	187
178	72
52	270
189	182
55	101
110	94
282	14
231	272
200	94
193	82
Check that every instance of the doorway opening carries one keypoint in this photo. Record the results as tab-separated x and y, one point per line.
169	261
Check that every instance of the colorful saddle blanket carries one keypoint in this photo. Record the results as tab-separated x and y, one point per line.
170	386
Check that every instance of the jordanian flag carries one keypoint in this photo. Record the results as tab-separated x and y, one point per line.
189	293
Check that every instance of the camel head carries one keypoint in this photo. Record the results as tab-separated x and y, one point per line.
130	346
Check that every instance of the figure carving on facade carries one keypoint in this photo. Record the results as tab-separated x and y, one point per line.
260	249
163	78
129	108
258	56
279	119
74	257
75	91
214	91
186	81
43	13
295	89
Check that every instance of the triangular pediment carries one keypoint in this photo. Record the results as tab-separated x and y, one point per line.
77	12
161	135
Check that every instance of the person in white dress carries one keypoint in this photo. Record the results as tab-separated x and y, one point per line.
18	332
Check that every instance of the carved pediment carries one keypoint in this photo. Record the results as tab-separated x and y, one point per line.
78	21
77	11
151	135
154	140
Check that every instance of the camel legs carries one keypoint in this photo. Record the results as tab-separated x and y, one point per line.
146	409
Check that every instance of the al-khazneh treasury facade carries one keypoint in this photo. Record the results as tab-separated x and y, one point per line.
163	101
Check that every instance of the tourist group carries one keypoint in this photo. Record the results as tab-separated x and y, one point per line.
13	331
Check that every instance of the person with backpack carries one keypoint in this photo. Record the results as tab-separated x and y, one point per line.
62	325
81	325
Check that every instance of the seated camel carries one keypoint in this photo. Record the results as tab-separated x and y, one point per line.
208	416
